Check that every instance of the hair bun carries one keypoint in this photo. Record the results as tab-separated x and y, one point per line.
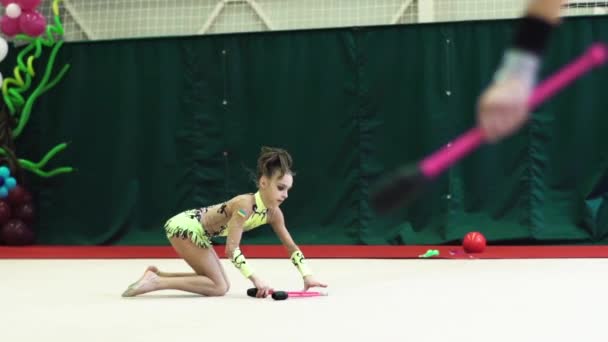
273	159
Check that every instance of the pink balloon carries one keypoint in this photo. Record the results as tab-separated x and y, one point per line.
32	23
9	26
27	5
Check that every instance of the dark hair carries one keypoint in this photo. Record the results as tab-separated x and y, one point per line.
273	160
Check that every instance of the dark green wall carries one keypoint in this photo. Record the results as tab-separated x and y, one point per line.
161	125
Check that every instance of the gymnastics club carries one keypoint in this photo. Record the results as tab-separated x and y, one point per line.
282	295
404	184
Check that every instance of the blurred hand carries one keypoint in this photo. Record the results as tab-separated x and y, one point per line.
263	289
503	108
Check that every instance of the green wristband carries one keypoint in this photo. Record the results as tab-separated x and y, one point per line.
239	261
297	258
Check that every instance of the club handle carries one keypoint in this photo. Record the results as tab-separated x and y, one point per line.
276	295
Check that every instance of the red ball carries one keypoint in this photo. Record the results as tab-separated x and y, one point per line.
5	212
474	242
25	212
16	233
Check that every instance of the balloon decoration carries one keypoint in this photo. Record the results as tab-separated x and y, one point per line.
23	22
3	53
17	216
22	16
7	183
16	211
15	88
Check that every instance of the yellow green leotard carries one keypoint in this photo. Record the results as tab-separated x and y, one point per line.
187	224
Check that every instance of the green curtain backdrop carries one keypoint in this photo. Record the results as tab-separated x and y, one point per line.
157	126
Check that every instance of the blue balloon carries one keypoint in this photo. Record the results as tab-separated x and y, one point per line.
4	171
10	183
3	192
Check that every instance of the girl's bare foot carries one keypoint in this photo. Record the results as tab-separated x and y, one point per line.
154	269
146	284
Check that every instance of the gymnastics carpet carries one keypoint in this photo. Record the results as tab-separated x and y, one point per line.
311	251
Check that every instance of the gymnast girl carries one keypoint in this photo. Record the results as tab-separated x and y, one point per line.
190	233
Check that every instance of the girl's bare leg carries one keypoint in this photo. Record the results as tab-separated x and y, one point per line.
153	268
208	280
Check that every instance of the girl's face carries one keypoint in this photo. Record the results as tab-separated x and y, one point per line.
275	190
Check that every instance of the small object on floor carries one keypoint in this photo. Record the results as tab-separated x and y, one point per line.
474	242
429	254
282	295
461	254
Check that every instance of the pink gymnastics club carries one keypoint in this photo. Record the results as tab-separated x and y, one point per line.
405	183
282	295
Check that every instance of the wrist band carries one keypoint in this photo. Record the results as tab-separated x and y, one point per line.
297	258
239	261
519	64
532	34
